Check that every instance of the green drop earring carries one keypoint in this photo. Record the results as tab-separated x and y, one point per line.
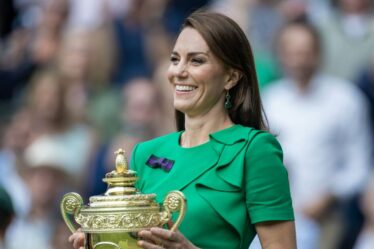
228	103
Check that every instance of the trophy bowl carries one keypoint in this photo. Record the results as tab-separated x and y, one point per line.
112	220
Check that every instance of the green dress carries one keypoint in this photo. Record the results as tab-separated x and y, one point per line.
231	182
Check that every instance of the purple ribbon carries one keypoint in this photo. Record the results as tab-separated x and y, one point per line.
160	162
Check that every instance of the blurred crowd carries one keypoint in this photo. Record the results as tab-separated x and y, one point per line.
81	78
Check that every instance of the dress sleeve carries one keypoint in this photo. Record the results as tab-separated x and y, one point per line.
268	195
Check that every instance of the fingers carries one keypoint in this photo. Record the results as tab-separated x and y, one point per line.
157	238
148	236
79	242
166	234
77	239
148	245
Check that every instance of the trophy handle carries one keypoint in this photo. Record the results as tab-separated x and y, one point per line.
70	205
175	201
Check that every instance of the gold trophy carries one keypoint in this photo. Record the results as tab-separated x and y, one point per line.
112	220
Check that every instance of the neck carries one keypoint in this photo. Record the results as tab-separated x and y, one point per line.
369	224
198	128
303	82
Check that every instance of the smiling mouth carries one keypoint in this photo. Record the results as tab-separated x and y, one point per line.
184	88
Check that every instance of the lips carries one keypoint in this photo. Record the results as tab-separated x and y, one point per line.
184	88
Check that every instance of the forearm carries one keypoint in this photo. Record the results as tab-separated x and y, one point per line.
277	235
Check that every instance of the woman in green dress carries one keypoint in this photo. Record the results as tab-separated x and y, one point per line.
223	160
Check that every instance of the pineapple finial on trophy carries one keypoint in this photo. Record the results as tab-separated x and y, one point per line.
121	161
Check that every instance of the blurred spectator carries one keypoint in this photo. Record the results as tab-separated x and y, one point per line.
52	123
28	49
265	19
131	33
139	123
322	123
144	30
261	21
18	135
139	113
348	37
85	63
6	215
40	41
366	237
46	102
46	178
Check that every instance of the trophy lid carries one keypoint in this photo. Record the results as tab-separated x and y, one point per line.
121	190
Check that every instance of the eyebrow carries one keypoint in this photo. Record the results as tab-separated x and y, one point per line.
192	53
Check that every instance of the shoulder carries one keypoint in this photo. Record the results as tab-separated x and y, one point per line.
239	133
263	142
342	91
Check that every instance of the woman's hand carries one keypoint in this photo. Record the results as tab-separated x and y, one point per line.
77	239
158	238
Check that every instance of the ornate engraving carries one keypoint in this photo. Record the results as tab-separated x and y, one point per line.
173	201
71	203
136	197
118	222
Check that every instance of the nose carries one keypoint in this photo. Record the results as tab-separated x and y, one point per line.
178	70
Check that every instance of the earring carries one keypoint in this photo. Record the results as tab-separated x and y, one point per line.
228	103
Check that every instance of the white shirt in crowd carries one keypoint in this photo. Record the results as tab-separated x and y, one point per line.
325	136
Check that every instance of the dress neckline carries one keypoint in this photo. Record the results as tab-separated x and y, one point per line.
205	144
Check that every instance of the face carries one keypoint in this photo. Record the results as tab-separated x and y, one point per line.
74	58
46	98
197	76
139	103
298	53
45	183
354	6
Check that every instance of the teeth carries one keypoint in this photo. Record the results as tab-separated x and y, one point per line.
184	88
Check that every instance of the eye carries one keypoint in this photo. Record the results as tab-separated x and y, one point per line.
174	59
197	61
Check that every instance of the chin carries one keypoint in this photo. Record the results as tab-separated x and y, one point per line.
181	109
181	105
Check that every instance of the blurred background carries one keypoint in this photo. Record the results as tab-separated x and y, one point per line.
81	78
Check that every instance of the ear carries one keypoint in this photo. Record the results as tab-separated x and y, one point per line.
233	78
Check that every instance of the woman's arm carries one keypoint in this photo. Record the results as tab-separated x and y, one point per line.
277	234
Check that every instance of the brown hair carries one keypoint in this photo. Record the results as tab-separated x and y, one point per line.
228	43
